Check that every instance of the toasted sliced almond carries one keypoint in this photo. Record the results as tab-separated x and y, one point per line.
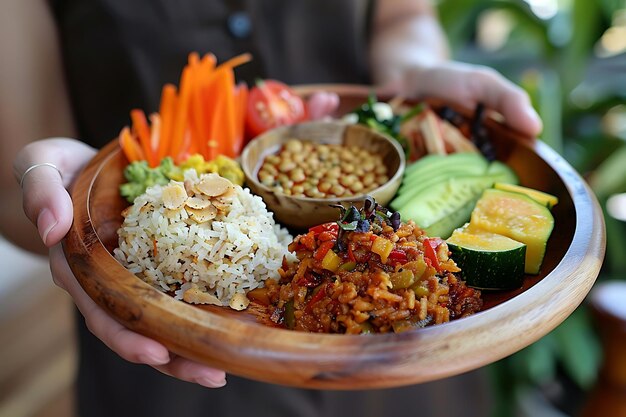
221	203
203	215
239	302
198	203
195	296
189	187
213	185
174	196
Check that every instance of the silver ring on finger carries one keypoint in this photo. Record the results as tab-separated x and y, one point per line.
32	167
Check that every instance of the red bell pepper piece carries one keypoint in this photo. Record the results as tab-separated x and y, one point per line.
316	297
429	252
332	227
323	249
350	253
398	256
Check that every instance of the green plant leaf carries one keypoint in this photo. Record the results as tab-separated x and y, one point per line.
578	348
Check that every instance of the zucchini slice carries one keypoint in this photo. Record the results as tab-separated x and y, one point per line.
540	197
487	260
516	216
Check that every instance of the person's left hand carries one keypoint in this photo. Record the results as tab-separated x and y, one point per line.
466	85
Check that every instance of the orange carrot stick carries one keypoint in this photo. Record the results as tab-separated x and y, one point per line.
241	104
193	59
209	102
236	61
142	130
182	115
229	129
208	63
155	134
168	113
197	124
132	149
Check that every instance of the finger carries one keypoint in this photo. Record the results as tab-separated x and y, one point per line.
497	93
131	346
46	201
466	85
322	104
192	371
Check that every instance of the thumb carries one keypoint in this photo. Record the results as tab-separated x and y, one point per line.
45	168
47	203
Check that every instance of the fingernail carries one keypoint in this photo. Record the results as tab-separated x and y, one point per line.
209	382
45	223
532	113
154	358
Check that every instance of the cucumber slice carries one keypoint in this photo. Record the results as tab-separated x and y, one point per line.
487	260
435	163
444	199
540	197
444	227
516	216
410	189
503	171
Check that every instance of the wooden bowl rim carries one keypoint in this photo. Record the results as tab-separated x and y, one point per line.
579	266
250	174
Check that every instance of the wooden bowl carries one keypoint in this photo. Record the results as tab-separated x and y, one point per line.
240	343
303	212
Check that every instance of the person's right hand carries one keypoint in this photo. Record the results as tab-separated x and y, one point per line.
48	205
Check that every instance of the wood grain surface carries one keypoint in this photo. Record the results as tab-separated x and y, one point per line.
240	343
304	212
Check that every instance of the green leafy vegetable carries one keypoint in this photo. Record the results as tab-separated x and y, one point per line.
369	115
140	176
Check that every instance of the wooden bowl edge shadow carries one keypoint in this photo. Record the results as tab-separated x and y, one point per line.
379	352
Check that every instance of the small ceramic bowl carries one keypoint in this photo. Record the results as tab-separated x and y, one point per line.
304	212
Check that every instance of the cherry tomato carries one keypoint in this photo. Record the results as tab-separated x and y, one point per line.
271	104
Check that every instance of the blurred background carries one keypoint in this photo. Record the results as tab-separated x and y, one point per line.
570	55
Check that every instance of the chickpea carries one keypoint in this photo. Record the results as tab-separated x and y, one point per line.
298	158
381	179
359	172
368	179
297	189
270	169
286	165
317	174
268	181
368	165
324	150
313	181
294	145
357	186
297	175
287	191
333	173
311	192
273	160
324	186
348	168
348	180
338	190
333	159
287	184
345	155
381	169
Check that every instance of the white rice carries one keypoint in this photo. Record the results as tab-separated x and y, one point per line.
231	254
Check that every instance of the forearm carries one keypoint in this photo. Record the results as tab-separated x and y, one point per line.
406	35
34	102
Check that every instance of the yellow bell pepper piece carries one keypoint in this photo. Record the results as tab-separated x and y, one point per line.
383	248
331	261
